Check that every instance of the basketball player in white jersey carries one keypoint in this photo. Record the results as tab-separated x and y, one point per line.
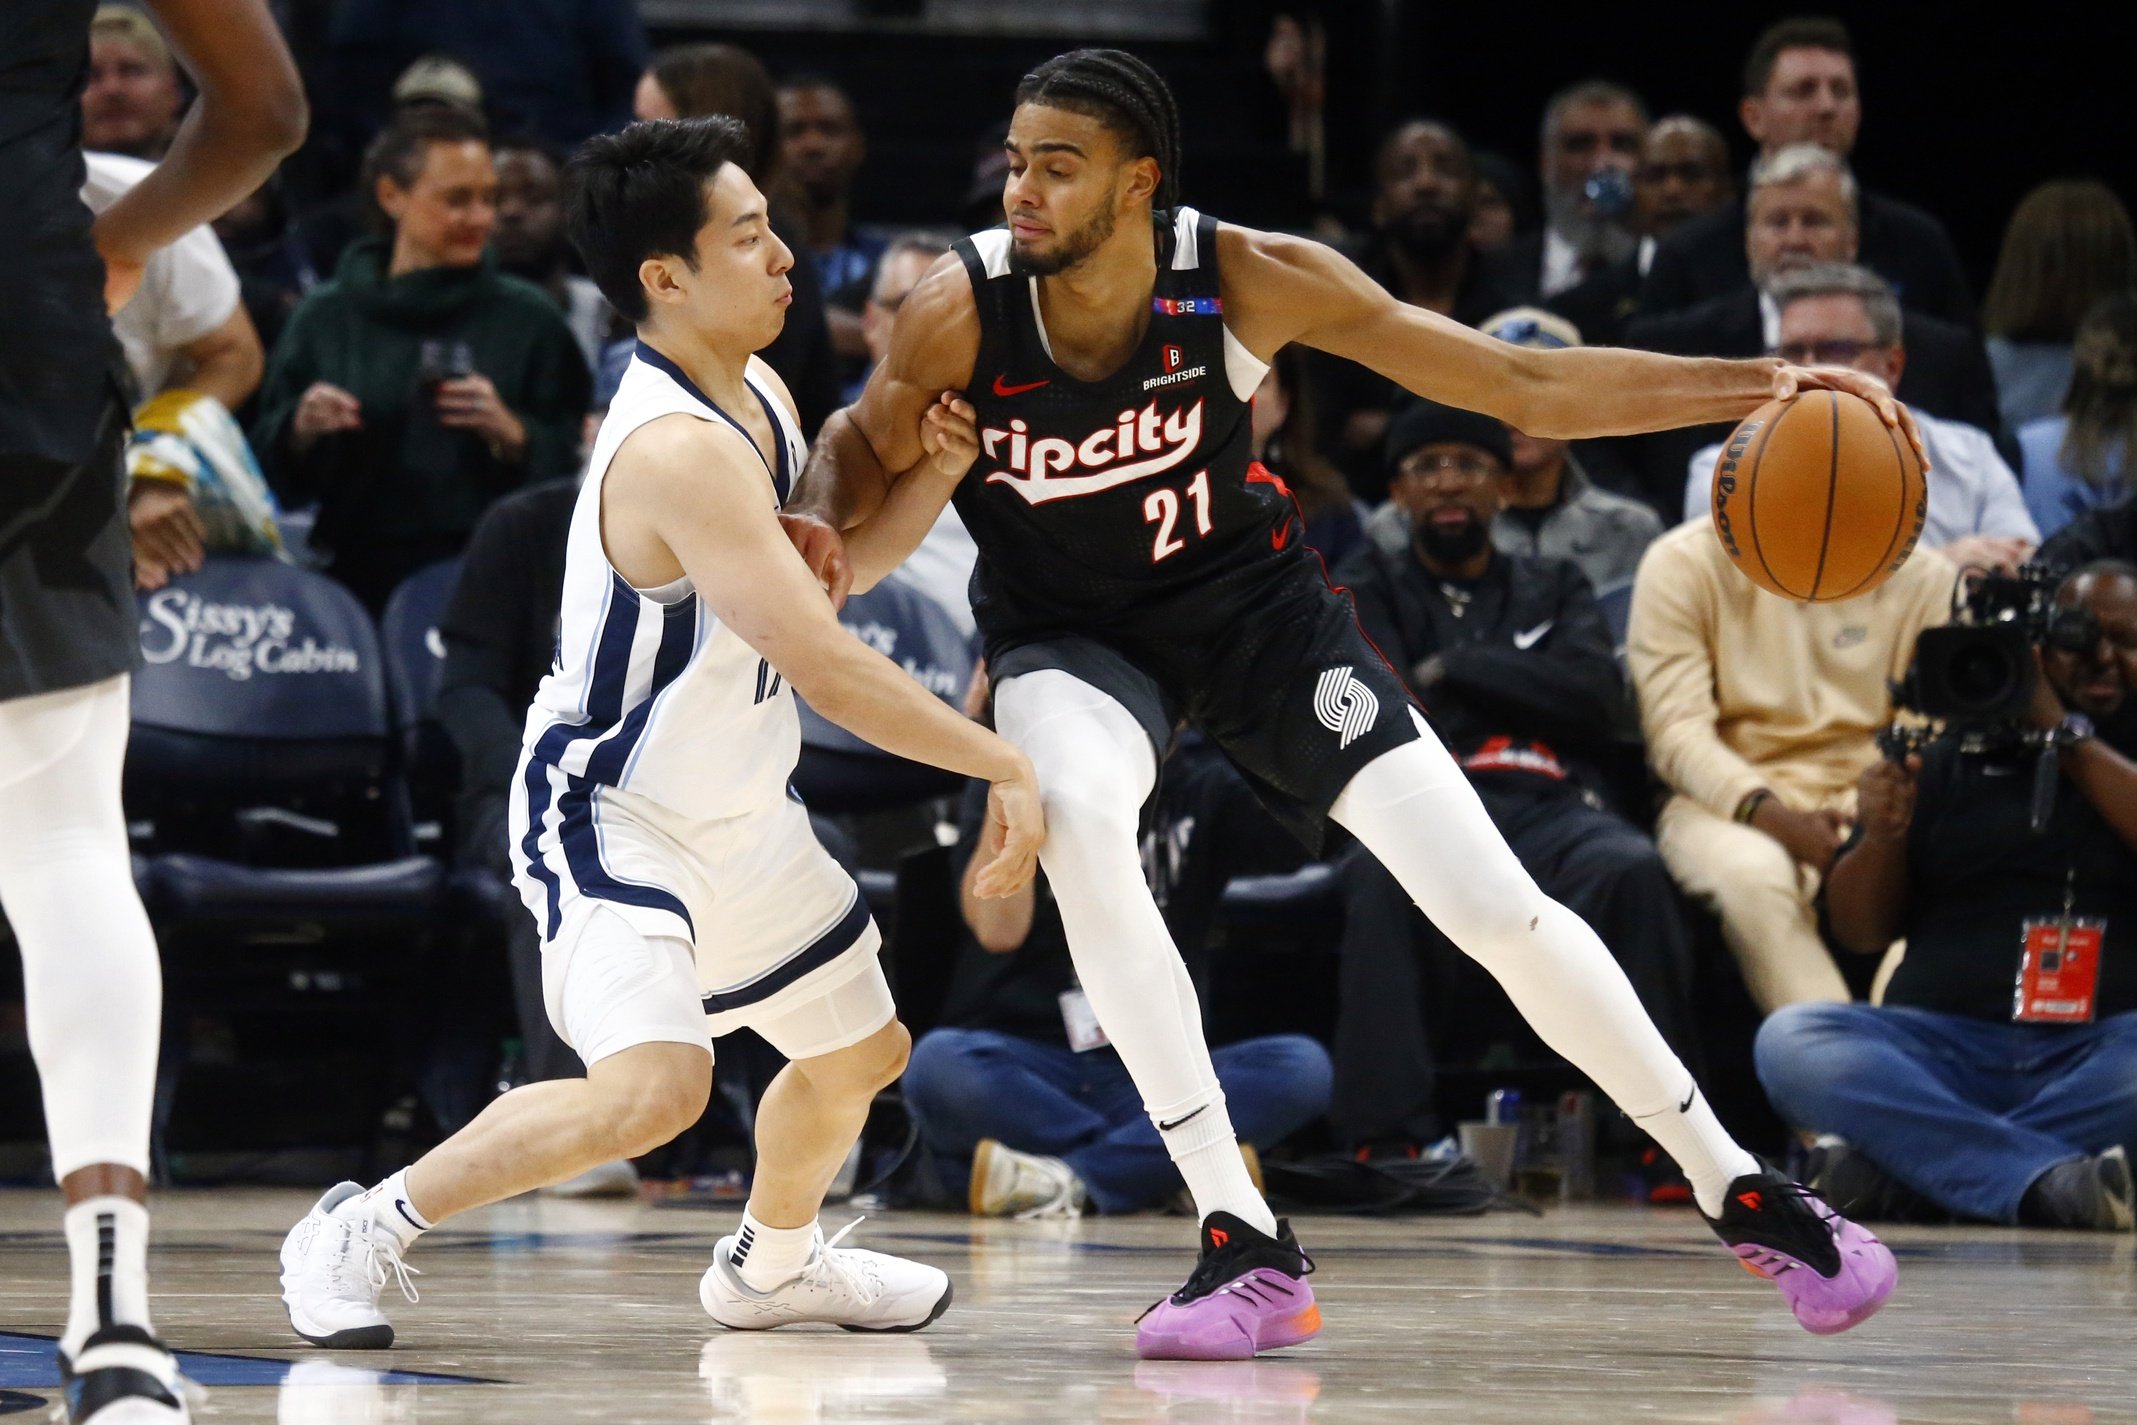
678	887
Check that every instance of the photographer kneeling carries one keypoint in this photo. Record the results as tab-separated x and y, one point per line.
1999	1078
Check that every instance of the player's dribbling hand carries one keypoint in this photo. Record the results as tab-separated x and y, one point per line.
949	432
1791	381
823	549
1017	823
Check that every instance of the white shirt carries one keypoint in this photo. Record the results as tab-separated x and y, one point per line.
188	289
941	567
1971	489
1561	265
1769	322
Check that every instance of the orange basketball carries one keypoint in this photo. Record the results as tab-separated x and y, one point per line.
1817	499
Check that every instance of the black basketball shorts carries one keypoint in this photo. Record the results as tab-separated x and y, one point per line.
1268	663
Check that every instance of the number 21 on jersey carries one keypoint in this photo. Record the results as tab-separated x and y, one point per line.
1162	508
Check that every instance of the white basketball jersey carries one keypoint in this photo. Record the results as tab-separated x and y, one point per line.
650	693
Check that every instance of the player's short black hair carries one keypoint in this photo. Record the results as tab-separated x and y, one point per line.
643	193
1797	32
398	151
1123	93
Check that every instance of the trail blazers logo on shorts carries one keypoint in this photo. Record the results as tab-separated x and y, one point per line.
1344	705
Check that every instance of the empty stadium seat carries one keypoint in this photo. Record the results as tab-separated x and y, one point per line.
415	659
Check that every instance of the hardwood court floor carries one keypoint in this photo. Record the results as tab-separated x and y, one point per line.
581	1312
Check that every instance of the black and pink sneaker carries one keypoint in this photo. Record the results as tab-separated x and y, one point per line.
1247	1294
1833	1273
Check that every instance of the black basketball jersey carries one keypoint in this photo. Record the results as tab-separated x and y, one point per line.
1091	498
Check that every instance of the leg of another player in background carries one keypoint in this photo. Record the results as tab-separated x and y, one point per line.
1415	810
1096	768
92	983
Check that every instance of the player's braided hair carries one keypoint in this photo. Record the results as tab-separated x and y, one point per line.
1124	94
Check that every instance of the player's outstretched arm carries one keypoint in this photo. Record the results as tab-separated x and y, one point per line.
882	541
698	489
1280	289
863	451
251	114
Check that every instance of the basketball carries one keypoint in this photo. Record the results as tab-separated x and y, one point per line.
1817	499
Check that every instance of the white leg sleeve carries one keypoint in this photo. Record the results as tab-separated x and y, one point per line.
1095	770
92	983
1414	809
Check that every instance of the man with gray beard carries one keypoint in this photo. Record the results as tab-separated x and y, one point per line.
1592	135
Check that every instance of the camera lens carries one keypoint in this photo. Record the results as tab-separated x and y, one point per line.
1981	675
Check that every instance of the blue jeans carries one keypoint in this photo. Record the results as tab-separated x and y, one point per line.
1967	1112
967	1084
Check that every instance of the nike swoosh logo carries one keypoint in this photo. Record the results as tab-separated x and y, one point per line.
1168	1127
400	1205
1528	639
1001	390
1686	1106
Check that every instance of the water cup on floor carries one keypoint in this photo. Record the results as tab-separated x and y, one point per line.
1491	1147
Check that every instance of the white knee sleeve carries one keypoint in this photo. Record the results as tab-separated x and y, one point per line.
93	987
1096	768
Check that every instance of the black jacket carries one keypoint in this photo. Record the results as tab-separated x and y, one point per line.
1947	371
1602	304
1899	242
2107	533
1529	660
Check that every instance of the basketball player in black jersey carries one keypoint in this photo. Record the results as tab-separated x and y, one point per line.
92	985
1136	568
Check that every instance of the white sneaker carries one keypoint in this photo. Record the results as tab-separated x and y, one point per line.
847	1287
124	1376
1008	1183
332	1272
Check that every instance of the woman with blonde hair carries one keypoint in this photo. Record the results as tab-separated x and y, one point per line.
2080	460
2069	244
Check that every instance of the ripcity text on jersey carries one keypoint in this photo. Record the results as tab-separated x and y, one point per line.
1091	497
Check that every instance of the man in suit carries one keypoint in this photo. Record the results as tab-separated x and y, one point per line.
1801	210
1592	133
1799	87
1683	172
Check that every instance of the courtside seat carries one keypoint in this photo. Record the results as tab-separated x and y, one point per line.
1289	900
415	660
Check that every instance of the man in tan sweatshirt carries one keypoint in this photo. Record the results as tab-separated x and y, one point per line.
1759	714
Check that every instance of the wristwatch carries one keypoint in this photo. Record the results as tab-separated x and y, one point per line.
2075	728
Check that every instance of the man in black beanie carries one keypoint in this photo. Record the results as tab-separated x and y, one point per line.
1513	661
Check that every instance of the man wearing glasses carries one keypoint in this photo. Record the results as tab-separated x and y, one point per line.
1833	314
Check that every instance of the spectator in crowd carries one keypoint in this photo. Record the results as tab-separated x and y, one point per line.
1285	429
1506	202
1837	315
134	98
421	383
1514	659
1759	714
1683	172
500	633
2109	532
186	338
692	81
1548	509
821	148
1803	209
941	565
530	240
1592	134
1800	87
1424	203
563	69
2069	244
1025	1110
2080	460
275	267
1998	1078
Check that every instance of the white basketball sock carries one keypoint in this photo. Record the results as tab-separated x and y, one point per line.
107	1252
387	1208
767	1258
1206	1151
1414	809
